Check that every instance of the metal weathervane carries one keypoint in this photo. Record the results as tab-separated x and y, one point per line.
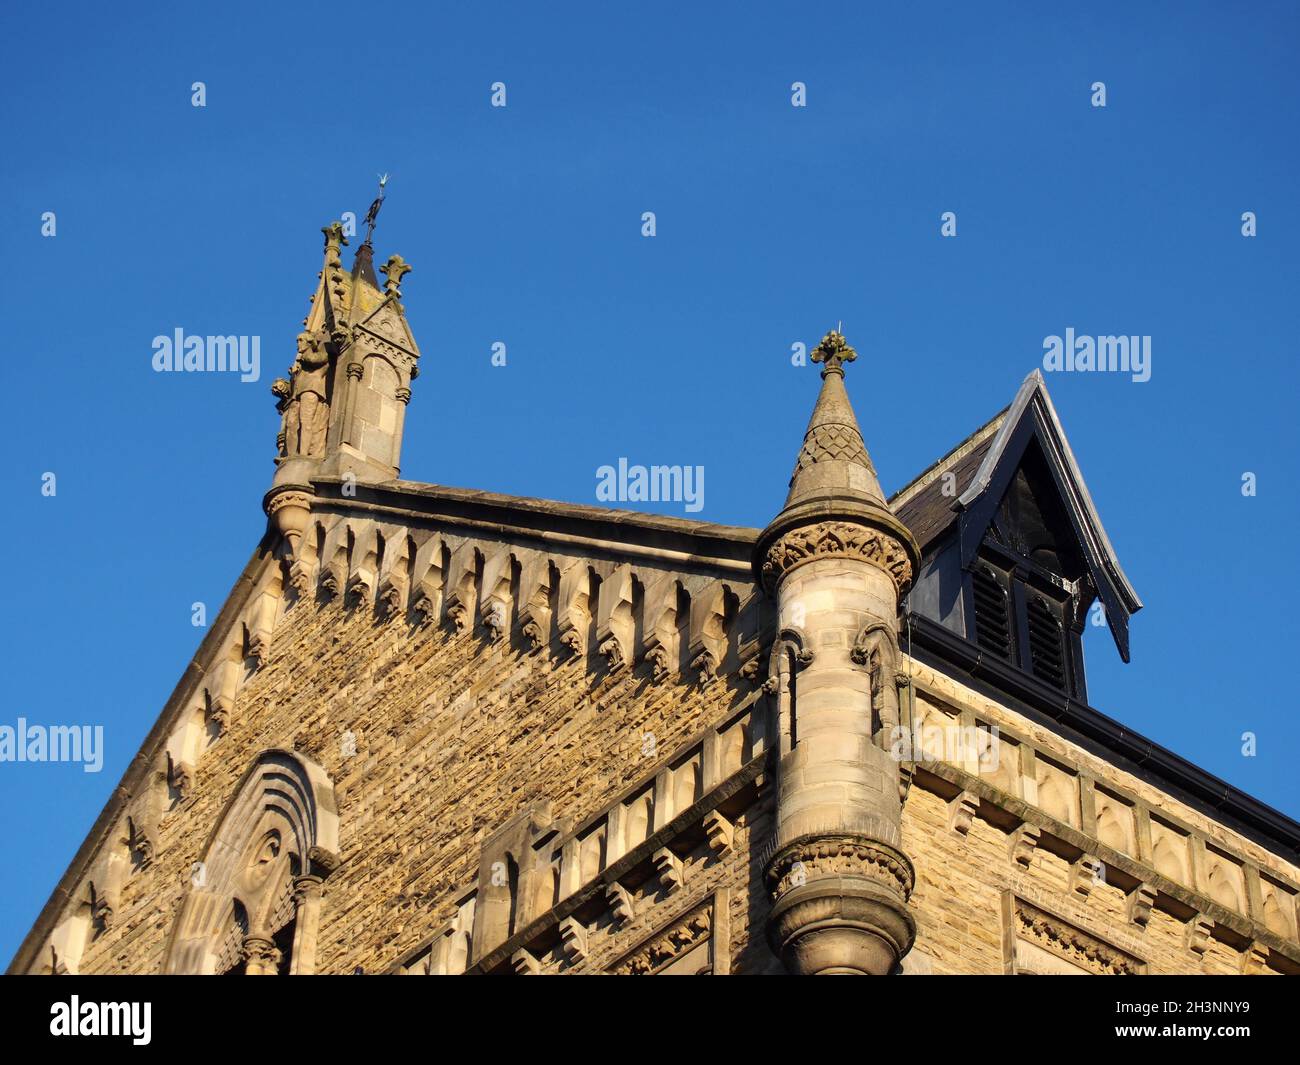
373	214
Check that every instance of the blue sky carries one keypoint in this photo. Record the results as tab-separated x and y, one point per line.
523	225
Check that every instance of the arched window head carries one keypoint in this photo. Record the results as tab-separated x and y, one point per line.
253	902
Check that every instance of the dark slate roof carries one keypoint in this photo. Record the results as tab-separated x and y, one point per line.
922	505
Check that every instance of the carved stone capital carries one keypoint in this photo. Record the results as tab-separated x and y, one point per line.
261	954
831	539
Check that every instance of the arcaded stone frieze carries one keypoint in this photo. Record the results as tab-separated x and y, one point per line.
837	538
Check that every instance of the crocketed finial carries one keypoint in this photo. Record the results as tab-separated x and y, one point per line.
834	351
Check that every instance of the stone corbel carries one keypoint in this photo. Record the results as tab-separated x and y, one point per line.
961	812
1023	842
461	600
333	572
573	940
535	600
614	624
496	601
426	597
1137	907
524	964
1254	960
363	579
662	626
720	833
620	903
180	776
1196	936
393	576
1085	874
669	869
303	566
220	694
708	632
575	610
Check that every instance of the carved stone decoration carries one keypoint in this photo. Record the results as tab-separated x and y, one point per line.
524	964
424	609
961	812
1063	940
835	856
259	648
1023	842
101	912
301	400
533	636
720	833
612	651
1140	901
669	869
1254	960
143	847
358	589
620	903
300	578
572	641
832	538
668	945
180	775
394	270
329	583
660	666
457	614
288	509
573	940
389	603
494	620
706	668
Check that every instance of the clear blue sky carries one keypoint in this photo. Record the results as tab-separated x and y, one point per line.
523	225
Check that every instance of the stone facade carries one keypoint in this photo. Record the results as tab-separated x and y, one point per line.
436	731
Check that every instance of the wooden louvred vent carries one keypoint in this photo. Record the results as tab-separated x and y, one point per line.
992	613
1046	643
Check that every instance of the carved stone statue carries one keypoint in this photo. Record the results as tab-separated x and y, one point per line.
302	404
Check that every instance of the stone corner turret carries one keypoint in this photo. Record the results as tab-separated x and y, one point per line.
837	561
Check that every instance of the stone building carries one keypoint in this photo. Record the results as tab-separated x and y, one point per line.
437	731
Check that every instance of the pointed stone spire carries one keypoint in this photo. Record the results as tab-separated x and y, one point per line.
833	461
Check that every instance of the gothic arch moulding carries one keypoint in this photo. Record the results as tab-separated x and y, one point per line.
254	897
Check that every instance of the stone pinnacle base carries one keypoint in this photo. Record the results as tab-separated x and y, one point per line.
840	906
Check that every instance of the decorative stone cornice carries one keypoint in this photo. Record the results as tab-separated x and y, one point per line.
837	538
